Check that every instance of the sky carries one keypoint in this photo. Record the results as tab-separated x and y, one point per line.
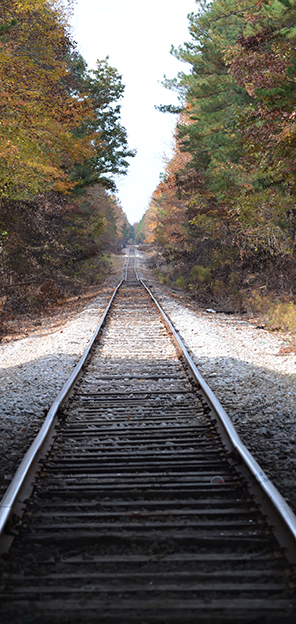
137	35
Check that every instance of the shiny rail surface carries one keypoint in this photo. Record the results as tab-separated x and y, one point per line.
142	505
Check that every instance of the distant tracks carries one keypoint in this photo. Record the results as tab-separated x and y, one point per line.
145	506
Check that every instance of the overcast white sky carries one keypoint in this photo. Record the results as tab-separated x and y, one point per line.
137	35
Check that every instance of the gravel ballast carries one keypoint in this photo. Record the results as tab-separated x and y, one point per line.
34	369
242	365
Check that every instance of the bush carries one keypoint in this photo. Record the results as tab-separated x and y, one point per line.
202	273
180	282
283	315
161	276
278	314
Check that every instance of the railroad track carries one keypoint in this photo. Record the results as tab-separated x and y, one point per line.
138	503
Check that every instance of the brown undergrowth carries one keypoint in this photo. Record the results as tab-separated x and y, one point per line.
256	284
54	247
27	308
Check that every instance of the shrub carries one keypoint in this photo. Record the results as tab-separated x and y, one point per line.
180	282
278	314
161	276
283	315
202	273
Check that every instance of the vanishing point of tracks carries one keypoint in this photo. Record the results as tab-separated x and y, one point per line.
138	503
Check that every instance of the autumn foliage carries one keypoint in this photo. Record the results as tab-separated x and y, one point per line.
38	110
61	144
51	120
225	207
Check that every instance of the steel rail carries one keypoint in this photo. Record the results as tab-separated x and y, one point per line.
11	495
285	512
127	263
135	266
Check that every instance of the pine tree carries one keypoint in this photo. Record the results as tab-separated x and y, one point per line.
263	61
209	94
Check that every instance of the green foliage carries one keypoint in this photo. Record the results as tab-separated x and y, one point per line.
263	61
225	203
139	230
210	95
237	187
60	133
162	278
180	282
7	26
234	280
203	274
109	138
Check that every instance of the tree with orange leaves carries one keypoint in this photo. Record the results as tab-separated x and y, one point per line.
59	127
38	113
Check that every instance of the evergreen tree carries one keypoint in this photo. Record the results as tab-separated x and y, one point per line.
263	61
210	95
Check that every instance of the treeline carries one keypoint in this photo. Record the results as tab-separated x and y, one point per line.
227	197
62	143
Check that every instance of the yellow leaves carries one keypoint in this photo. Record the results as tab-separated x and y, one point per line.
47	114
8	149
38	115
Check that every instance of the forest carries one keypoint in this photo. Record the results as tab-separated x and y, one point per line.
62	144
223	216
222	220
